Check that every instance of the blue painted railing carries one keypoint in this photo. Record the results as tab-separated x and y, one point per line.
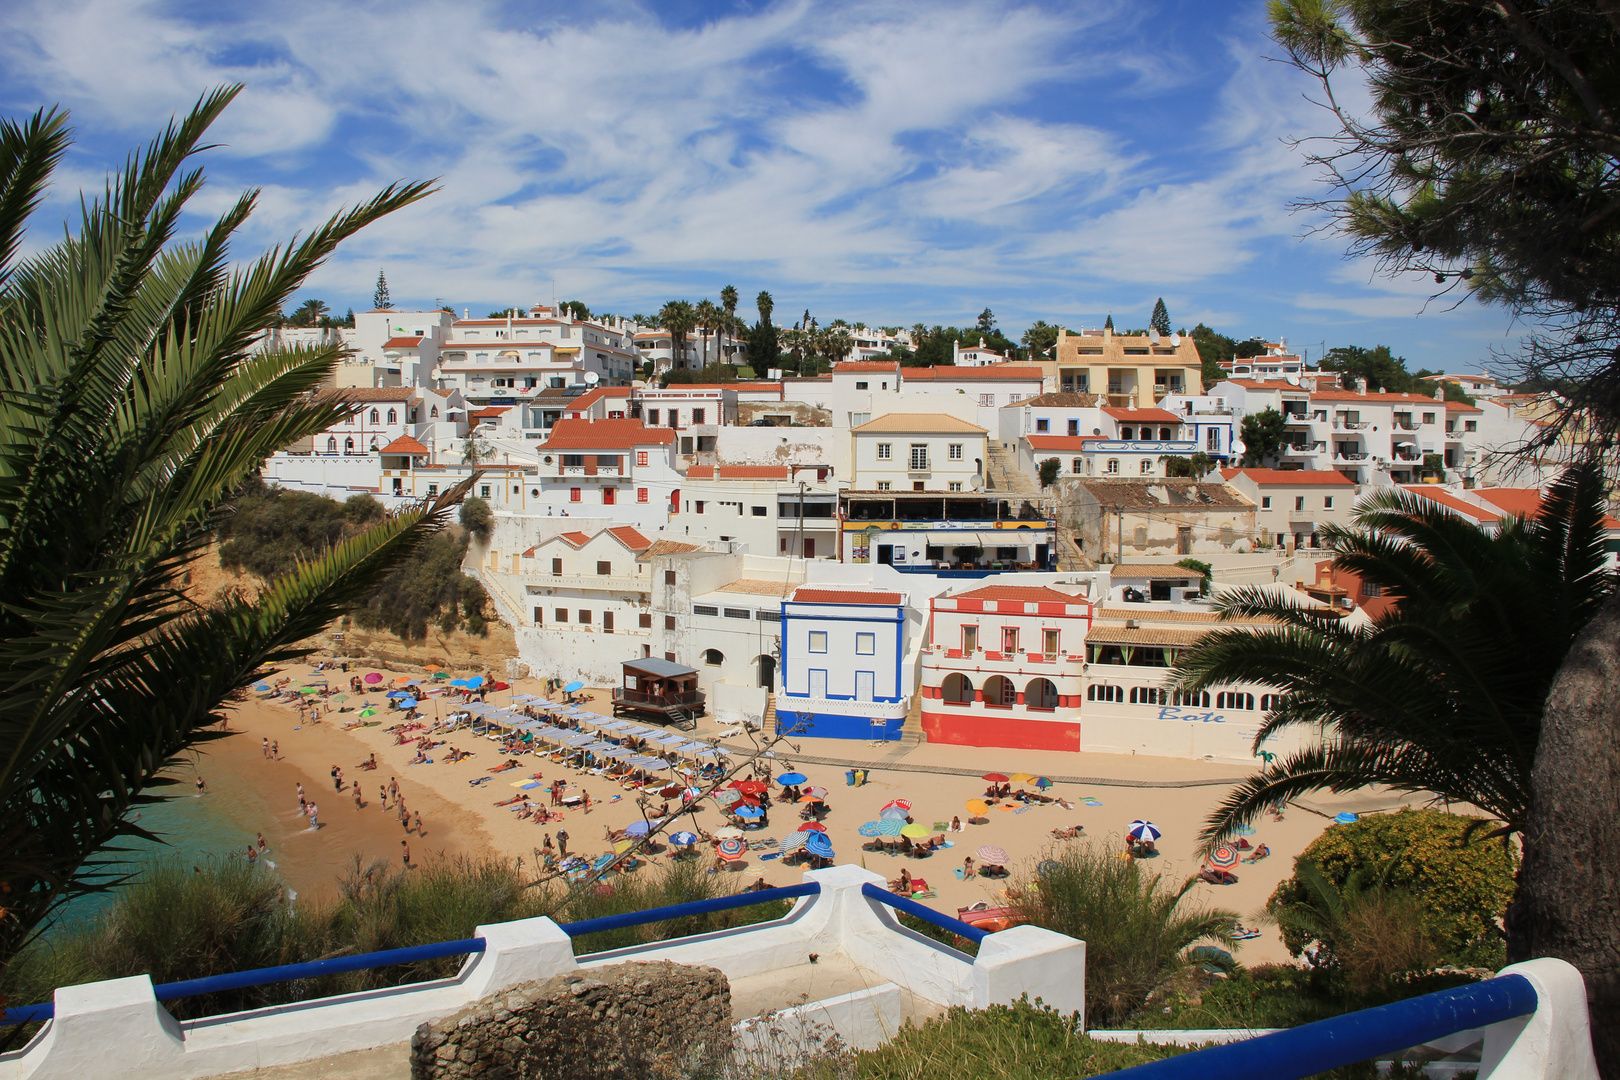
1344	1040
924	912
238	980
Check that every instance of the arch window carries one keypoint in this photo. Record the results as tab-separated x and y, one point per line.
1149	695
1233	699
433	413
1113	465
376	417
958	689
375	442
1164	433
1041	694
999	692
348	445
713	657
393	416
1268	702
1147	466
1196	700
331	444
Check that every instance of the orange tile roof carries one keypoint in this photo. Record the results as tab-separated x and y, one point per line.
591	397
1157	416
630	538
948	372
1459	406
857	366
490	412
1451	502
1026	593
1072	443
404	445
1374	398
1294	477
739	472
1263	384
604	435
402	343
811	595
577	539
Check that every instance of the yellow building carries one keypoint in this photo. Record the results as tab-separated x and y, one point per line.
1133	370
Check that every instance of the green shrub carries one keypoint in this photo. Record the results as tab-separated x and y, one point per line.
1049	471
1137	928
477	518
1463	888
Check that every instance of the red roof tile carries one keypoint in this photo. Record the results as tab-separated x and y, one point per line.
1461	406
947	373
807	594
1451	502
577	539
1156	416
1026	593
1292	477
630	538
402	343
404	445
605	435
865	365
1073	443
1374	398
739	472
591	397
490	412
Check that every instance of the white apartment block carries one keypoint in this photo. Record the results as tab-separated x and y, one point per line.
1292	505
844	663
918	452
774	509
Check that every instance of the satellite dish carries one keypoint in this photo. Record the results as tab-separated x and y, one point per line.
1238	447
1175	340
592	378
1153	336
1293	378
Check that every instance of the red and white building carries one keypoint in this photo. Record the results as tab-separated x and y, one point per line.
619	469
1005	667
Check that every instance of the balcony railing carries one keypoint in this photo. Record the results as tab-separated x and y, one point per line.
659	701
1348	425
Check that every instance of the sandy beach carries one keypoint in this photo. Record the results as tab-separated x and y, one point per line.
460	818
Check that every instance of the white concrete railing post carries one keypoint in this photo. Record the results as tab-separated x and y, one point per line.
516	952
1552	1043
111	1028
1030	960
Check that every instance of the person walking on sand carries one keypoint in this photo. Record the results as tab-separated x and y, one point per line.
547	844
275	750
267	748
562	842
418	816
405	854
587	800
314	822
393	787
358	804
337	778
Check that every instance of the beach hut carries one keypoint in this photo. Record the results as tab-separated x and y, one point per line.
655	687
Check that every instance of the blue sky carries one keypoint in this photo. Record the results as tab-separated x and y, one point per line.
888	162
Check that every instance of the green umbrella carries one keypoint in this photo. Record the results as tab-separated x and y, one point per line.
368	712
307	690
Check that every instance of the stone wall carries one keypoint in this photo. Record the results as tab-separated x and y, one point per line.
659	1021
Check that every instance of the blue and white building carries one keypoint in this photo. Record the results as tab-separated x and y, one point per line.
845	657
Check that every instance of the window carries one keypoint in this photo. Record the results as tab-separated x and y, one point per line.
1327	502
885	451
865	644
918	485
1265	502
919	457
738	613
393	416
758	511
1127	432
1212	439
669	622
641	457
1371	588
1149	695
562	614
713	657
883	485
1147	466
955	453
674	418
1098	692
331	445
610	496
669	577
376	417
986	400
1470	425
861	385
1009	639
1049	642
1231	699
483	490
645	620
1428	418
1269	702
556	567
1113	465
1199	700
856	419
575	494
818	641
607	622
705	609
700	505
697	416
604	568
584	617
1299	502
652	417
954	485
433	489
1042	424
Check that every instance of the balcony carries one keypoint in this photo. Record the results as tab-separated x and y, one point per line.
1348	425
1302	449
1405	425
1342	455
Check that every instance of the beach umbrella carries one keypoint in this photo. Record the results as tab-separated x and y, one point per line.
441	674
730	832
993	855
684	838
501	686
431	667
1042	782
638	828
732	849
373	678
306	689
573	686
261	687
669	792
809	798
623	846
788	779
396	694
602	860
727	796
890	827
1048	867
474	682
819	792
916	831
407	703
1344	818
872	828
793	841
904	804
819	845
1021	777
994	777
368	712
413	682
812	826
894	813
749	812
977	807
1143	830
459	682
402	680
1224	855
757	787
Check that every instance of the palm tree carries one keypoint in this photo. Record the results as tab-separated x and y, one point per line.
133	409
1444	691
309	313
708	319
677	317
728	300
766	305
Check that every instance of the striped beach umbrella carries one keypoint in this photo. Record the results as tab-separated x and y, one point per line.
793	841
993	855
732	849
890	827
727	796
893	813
904	804
1224	856
1143	830
818	844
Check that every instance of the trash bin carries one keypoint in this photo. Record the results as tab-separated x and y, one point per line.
849	777
860	777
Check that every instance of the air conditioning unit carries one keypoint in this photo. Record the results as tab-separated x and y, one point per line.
1132	624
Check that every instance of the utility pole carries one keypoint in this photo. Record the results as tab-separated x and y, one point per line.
1119	545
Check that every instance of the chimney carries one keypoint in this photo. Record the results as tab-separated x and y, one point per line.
1439	391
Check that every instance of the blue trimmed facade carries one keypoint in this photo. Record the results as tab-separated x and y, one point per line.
842	669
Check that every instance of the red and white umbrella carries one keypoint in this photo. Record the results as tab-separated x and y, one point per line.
904	804
993	855
812	826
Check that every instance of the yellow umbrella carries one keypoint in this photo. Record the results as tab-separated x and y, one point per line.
621	847
916	831
1021	777
977	806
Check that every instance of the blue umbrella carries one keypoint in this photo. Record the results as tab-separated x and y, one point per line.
749	812
1143	830
459	682
261	687
475	682
890	827
872	828
792	778
895	813
684	839
1345	818
407	703
637	828
396	694
575	685
819	845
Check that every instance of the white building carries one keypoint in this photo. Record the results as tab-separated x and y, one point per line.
974	355
508	361
918	452
774	509
1292	505
621	469
844	673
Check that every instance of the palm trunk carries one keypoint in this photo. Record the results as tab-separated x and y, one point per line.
1568	899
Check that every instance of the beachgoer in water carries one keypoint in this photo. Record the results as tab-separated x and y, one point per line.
253	854
303	803
201	787
262	845
314	822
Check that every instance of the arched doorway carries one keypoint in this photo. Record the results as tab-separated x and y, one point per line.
958	689
1041	694
767	673
999	692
